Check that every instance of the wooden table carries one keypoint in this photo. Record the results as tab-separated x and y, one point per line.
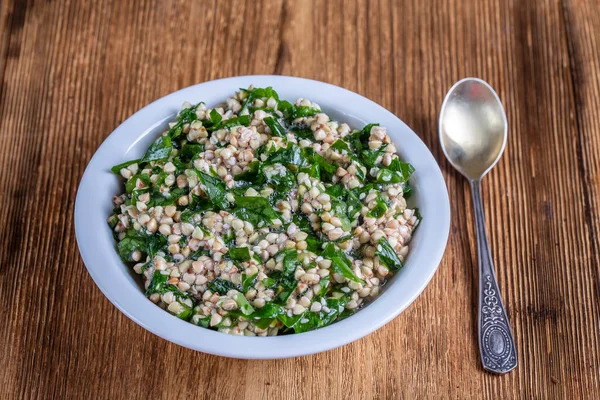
71	72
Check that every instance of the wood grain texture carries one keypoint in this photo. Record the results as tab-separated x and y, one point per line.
71	72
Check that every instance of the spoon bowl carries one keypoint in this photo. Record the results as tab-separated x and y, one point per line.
473	127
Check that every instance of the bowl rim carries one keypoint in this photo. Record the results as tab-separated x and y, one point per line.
396	298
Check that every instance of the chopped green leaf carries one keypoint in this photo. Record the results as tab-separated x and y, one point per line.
215	189
370	156
128	245
341	146
405	169
359	140
290	321
243	120
263	323
419	219
157	283
154	244
221	286
367	129
228	237
397	172
285	289
313	170
360	170
248	281
380	208
199	253
185	116
113	220
117	168
326	169
324	283
259	93
290	155
215	117
166	198
339	209
159	150
313	243
131	184
196	208
253	175
204	322
274	126
303	132
407	190
147	244
185	313
256	210
263	317
243	304
286	108
344	205
239	254
282	183
304	111
269	282
290	262
340	262
189	152
387	255
387	176
308	320
269	310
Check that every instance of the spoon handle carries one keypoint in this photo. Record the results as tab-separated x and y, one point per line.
496	343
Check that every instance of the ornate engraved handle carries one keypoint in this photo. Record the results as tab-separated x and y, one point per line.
496	343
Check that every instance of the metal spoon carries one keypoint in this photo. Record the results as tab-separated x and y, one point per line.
473	132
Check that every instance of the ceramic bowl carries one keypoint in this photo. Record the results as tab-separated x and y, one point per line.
123	288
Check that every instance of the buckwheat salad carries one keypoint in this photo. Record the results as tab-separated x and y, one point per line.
260	217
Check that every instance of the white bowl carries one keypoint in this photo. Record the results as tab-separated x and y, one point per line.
122	287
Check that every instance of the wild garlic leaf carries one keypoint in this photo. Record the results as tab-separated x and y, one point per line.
239	254
159	150
275	127
256	210
387	255
340	262
215	189
117	168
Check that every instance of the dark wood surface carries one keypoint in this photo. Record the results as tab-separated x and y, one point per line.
71	72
